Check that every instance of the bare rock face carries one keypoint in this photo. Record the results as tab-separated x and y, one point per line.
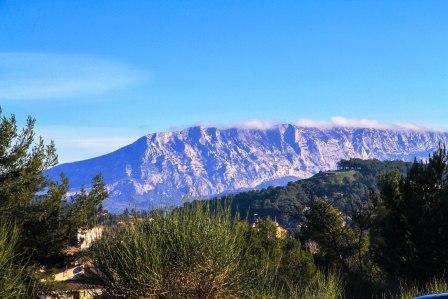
161	168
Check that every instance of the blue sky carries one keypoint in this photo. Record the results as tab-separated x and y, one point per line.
98	74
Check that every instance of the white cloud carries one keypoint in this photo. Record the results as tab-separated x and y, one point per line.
310	123
336	121
339	121
255	124
30	76
248	124
78	143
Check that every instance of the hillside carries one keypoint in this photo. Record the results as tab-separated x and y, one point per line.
286	204
161	168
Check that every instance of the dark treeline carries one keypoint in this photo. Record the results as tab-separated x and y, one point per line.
398	237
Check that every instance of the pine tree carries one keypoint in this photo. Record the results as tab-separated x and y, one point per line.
412	218
36	205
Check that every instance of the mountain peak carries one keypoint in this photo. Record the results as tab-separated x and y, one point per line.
160	168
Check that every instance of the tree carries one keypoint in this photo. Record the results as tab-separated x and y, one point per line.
27	198
339	244
86	207
22	165
44	226
36	205
412	234
278	257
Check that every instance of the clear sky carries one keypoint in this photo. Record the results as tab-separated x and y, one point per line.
98	74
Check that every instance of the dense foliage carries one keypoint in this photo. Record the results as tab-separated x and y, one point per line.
350	185
412	221
199	252
42	220
396	238
14	280
363	221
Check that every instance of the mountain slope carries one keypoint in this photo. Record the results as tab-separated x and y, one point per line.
349	186
160	168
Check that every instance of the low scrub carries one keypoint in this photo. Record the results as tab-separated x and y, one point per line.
321	286
435	286
185	253
14	281
202	252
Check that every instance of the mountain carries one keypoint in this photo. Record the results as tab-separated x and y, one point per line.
159	169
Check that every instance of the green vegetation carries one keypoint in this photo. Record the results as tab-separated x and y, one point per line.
181	254
202	252
370	229
340	245
39	221
411	228
14	281
344	188
396	238
434	286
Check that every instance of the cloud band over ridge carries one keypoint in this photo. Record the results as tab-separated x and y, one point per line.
336	121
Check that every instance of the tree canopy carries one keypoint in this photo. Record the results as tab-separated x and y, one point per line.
47	220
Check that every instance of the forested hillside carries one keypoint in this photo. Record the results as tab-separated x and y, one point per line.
350	185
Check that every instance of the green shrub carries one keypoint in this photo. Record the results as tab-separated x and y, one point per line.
278	261
433	287
14	283
321	286
190	253
202	252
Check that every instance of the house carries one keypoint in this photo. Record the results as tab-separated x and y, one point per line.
76	290
280	232
77	281
87	236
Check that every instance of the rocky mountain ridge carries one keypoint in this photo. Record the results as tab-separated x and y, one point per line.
159	169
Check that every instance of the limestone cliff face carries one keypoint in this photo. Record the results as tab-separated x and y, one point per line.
160	168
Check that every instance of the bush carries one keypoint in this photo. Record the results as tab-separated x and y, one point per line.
14	283
200	251
321	286
279	261
189	253
435	286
